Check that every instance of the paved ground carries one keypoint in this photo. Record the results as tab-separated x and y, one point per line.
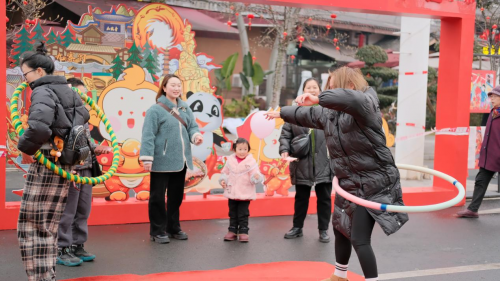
434	244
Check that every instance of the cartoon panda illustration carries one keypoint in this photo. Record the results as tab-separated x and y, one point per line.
208	114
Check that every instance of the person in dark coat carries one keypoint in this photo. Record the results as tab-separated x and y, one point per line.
350	117
54	107
489	158
313	169
73	226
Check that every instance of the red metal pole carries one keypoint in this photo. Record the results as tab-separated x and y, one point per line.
3	110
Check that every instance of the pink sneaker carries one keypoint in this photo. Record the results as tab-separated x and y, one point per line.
243	238
230	236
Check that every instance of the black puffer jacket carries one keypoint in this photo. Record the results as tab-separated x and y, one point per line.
53	106
305	172
364	165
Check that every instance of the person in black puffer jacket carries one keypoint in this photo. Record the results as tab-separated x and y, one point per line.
53	108
350	117
314	168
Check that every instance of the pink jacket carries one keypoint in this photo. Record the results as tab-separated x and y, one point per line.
239	178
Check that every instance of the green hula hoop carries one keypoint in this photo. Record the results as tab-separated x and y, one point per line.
14	116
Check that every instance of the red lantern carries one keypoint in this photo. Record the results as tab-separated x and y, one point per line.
335	40
292	57
27	22
232	7
488	18
482	9
229	23
333	16
338	48
254	58
328	28
250	17
25	3
285	34
494	26
33	22
310	20
237	14
301	39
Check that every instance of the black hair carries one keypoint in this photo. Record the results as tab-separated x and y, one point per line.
240	141
38	59
311	79
75	82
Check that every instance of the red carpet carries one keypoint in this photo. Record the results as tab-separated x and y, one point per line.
293	270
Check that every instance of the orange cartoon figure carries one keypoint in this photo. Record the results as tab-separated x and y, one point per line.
24	120
125	103
56	151
277	177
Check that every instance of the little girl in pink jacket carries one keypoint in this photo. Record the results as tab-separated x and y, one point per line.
239	177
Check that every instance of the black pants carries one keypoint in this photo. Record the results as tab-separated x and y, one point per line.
324	204
166	220
483	179
361	232
238	216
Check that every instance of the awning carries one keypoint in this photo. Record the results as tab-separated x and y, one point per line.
200	21
328	49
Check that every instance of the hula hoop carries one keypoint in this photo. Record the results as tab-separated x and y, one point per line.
14	116
406	209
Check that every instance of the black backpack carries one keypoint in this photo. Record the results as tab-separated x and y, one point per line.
76	144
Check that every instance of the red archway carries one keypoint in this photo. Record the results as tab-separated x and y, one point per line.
457	36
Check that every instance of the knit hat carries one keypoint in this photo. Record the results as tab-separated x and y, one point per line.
495	91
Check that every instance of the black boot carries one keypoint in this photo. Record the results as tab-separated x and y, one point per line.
161	239
323	236
295	232
181	235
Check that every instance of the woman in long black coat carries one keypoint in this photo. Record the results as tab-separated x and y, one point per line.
312	169
350	117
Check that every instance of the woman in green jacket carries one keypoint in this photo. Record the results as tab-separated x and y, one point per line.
169	129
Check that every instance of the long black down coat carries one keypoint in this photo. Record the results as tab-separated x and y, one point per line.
364	164
305	172
54	105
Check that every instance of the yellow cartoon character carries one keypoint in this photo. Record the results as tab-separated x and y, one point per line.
125	104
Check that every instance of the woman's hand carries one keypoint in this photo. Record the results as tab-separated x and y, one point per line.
272	115
198	140
307	100
27	159
101	149
284	155
148	166
223	184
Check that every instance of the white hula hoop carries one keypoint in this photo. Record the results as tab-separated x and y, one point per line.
407	209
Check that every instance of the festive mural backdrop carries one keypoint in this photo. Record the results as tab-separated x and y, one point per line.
482	82
121	56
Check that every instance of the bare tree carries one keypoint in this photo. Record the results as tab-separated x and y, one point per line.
487	22
30	10
286	26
